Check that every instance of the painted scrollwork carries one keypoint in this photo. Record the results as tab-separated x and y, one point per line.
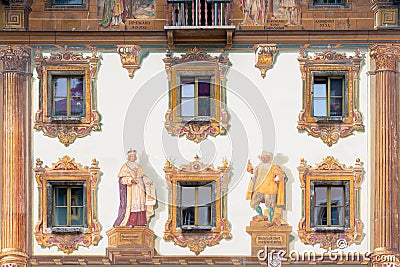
63	63
63	171
197	63
330	130
330	170
197	172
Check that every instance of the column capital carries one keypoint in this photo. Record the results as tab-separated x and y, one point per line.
14	57
385	56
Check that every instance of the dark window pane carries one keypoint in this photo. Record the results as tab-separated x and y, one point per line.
188	216
77	196
77	107
77	216
204	106
320	216
204	214
60	107
336	106
61	196
77	86
336	87
60	86
337	216
61	216
204	88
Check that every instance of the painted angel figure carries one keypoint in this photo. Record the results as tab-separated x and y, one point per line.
267	185
137	194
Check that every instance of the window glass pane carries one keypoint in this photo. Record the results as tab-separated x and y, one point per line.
77	196
204	214
204	197
188	216
188	89
61	216
188	196
336	87
204	106
60	86
77	86
60	106
61	196
68	2
204	88
320	216
337	193
337	216
321	194
320	107
336	106
319	89
77	216
77	107
187	107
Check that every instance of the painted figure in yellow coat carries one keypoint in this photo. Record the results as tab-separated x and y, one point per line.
267	185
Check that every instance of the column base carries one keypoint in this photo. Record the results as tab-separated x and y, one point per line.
383	257
13	258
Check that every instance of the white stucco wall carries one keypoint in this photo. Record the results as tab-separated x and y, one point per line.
264	115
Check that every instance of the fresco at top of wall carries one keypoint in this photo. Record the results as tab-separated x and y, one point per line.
116	12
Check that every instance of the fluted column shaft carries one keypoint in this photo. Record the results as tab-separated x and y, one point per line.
13	205
386	222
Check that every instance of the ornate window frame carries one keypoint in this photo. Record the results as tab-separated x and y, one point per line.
67	172
331	172
67	63
331	129
197	239
197	63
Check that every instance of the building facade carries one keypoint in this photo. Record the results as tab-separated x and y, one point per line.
199	132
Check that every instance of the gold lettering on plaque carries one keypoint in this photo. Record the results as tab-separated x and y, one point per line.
129	238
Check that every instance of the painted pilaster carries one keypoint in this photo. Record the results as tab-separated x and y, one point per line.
386	222
14	209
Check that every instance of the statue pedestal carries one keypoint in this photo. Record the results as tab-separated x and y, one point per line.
263	234
126	243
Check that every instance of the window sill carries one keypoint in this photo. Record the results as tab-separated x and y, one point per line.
68	230
322	6
331	229
190	228
65	119
329	119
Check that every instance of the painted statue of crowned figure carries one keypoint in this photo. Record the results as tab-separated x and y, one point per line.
137	194
267	185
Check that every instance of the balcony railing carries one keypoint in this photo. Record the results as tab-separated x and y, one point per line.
198	12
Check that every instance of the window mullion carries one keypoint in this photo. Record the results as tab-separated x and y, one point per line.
196	206
328	100
69	96
68	206
328	206
196	96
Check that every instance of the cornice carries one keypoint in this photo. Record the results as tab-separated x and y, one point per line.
159	38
